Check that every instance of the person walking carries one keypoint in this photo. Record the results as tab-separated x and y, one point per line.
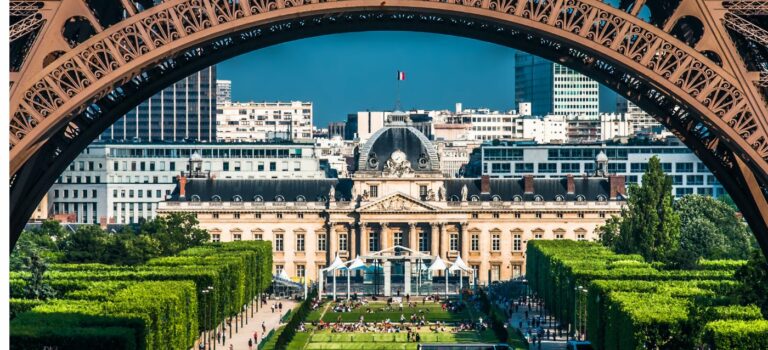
250	344
256	337
263	328
280	306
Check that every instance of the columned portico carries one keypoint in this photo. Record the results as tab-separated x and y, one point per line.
413	236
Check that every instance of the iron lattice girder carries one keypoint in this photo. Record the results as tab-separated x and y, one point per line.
25	26
747	7
23	8
746	28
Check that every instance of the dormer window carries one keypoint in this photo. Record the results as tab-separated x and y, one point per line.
475	198
258	199
580	198
195	198
601	198
279	198
497	198
300	198
215	198
237	199
559	198
538	198
517	198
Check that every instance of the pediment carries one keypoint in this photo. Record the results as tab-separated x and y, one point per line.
397	202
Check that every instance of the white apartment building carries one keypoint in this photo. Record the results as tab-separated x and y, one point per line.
264	121
124	182
615	126
548	129
454	155
223	92
514	160
641	121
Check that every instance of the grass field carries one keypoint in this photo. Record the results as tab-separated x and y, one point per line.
433	313
325	340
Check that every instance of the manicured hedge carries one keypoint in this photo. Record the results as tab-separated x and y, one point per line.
737	335
286	335
632	304
160	304
18	306
161	315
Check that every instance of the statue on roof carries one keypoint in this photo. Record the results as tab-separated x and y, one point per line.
431	195
397	164
332	194
464	192
441	193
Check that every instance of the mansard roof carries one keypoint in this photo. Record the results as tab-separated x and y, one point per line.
267	190
549	189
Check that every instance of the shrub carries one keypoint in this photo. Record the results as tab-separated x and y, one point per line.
737	335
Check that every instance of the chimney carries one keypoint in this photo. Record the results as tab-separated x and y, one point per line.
616	185
182	186
485	184
528	179
570	184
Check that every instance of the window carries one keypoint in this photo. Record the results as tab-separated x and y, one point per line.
684	167
474	242
638	167
423	241
570	168
279	215
300	242
321	243
374	191
55	193
602	215
474	215
236	215
538	233
300	270
258	236
300	215
495	215
279	242
517	215
238	237
216	237
495	272
423	192
517	243
454	241
343	241
547	168
215	215
538	215
278	269
694	180
523	168
495	242
580	215
373	241
398	239
559	215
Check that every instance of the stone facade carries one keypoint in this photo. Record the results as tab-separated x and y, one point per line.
400	197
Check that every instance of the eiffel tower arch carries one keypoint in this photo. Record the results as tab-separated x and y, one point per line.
698	66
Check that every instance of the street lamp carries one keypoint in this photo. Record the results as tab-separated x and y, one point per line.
578	290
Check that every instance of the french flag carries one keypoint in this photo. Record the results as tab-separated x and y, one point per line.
400	75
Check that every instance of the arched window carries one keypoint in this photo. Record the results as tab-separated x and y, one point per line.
538	198
496	198
279	198
475	198
559	198
258	198
195	198
601	198
300	198
216	198
580	198
237	198
517	198
454	198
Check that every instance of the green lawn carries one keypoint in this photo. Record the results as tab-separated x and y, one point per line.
433	313
325	340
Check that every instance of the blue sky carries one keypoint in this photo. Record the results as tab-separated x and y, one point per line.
344	73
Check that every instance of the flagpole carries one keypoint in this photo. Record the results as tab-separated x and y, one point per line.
397	93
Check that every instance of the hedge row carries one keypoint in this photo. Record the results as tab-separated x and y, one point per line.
737	334
237	272
286	335
631	304
146	315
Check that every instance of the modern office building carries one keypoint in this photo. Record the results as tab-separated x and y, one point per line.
264	121
515	160
399	196
223	92
124	182
642	122
554	89
184	111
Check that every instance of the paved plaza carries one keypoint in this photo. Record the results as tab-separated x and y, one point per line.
271	320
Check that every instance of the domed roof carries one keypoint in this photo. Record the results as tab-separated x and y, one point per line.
195	157
601	157
399	145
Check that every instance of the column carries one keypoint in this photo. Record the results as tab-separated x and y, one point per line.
333	242
363	238
407	277
384	237
351	240
387	278
413	237
435	240
444	242
464	234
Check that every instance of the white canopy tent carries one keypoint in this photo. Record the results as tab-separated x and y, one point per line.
439	265
459	265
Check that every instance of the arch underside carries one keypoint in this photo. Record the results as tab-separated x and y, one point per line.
717	150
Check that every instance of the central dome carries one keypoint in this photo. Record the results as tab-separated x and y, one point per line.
398	145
